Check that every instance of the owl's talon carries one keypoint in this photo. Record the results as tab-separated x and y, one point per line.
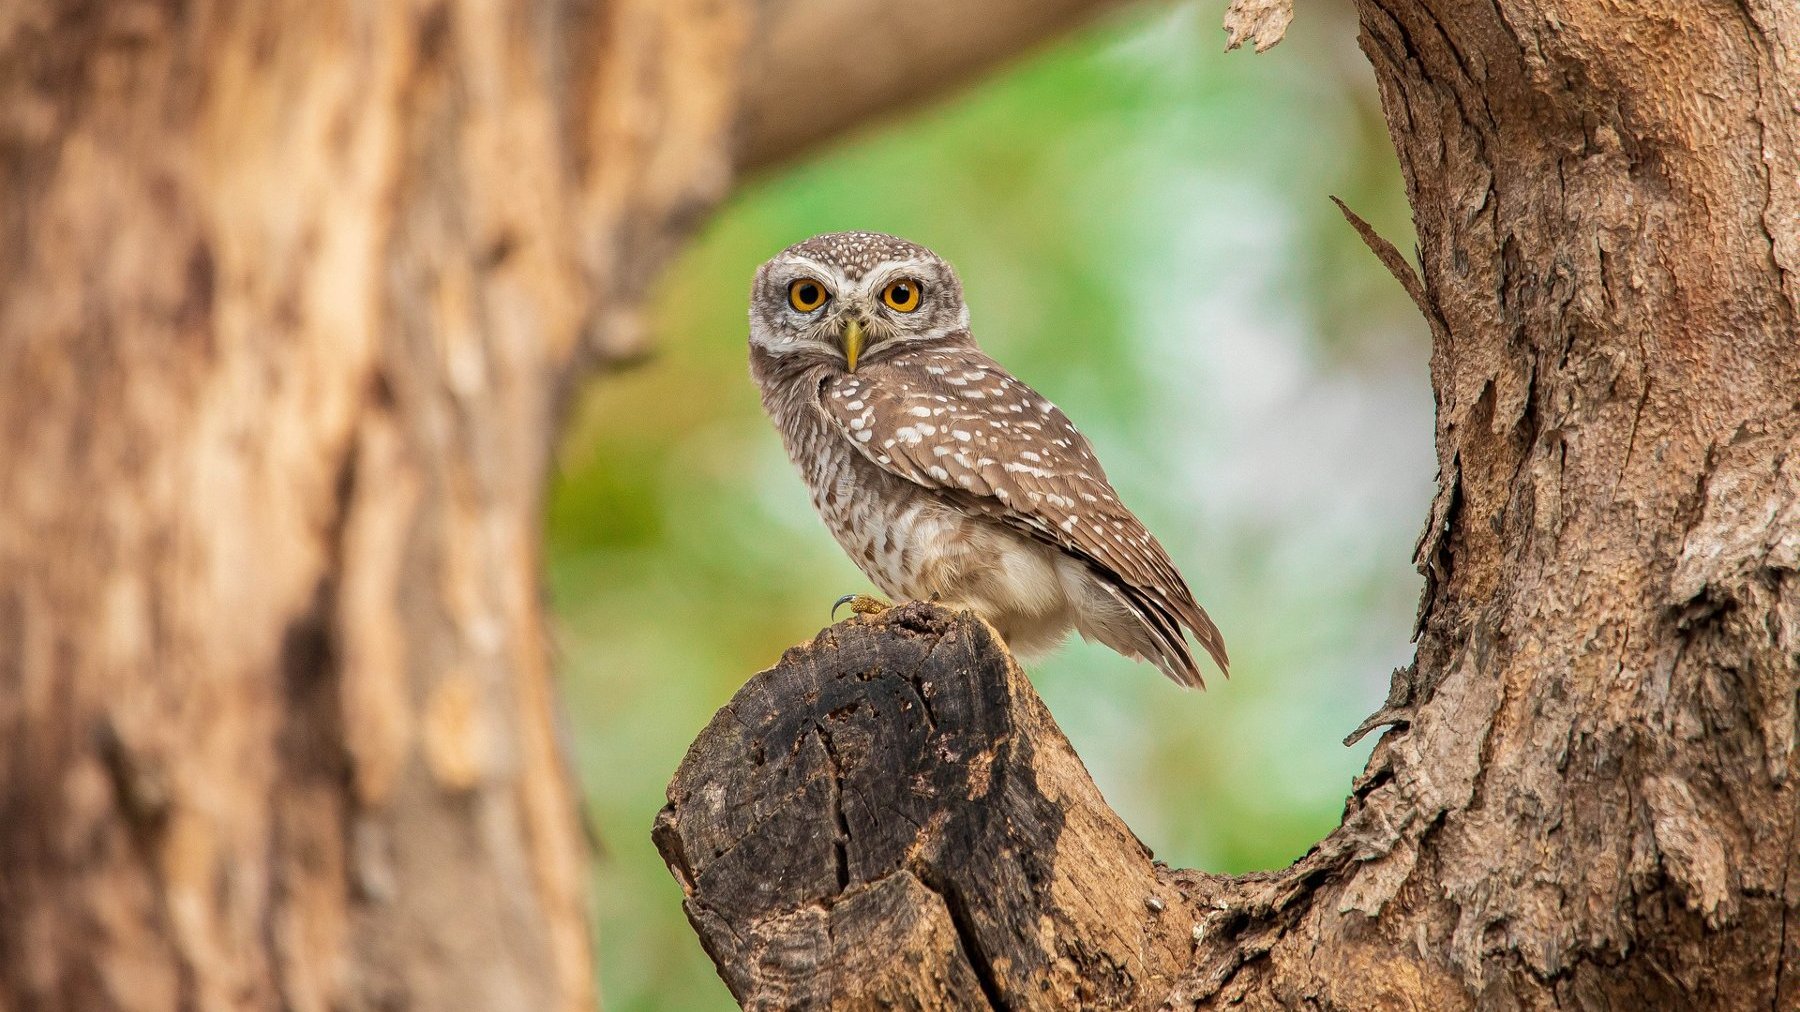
860	604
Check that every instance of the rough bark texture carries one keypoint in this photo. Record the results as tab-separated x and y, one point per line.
1588	799
889	817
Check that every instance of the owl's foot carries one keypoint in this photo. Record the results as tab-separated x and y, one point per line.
860	604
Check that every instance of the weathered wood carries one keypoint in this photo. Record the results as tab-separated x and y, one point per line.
890	813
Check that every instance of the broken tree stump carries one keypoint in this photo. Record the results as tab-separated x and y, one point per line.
889	817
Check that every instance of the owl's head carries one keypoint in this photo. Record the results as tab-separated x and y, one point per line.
853	297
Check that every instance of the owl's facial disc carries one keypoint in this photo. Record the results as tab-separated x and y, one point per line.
855	298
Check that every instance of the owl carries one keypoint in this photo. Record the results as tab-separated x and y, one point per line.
943	476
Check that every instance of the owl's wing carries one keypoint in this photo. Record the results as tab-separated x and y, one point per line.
954	421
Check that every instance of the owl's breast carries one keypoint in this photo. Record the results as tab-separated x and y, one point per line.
889	527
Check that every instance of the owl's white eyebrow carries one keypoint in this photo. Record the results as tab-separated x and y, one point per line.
904	268
806	265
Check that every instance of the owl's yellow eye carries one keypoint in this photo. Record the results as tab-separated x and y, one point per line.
902	296
806	295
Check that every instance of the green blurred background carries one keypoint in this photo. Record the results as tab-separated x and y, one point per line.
1142	227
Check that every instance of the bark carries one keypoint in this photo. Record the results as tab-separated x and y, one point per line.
288	291
890	818
1588	795
290	297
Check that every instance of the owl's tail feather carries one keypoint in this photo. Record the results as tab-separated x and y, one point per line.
1135	624
1209	638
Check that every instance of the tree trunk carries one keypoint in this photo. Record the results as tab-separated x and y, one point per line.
288	291
290	297
1588	799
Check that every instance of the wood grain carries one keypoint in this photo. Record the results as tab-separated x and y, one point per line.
891	812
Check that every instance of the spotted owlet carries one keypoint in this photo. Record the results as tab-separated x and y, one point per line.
941	475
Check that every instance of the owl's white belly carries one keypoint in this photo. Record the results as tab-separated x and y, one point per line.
914	546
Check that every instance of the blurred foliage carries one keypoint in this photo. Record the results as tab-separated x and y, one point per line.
1142	229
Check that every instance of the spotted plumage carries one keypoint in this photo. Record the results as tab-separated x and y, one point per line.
942	475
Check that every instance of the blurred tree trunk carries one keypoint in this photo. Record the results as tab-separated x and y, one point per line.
1590	796
288	289
290	295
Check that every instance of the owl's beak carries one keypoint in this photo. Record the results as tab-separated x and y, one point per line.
853	343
